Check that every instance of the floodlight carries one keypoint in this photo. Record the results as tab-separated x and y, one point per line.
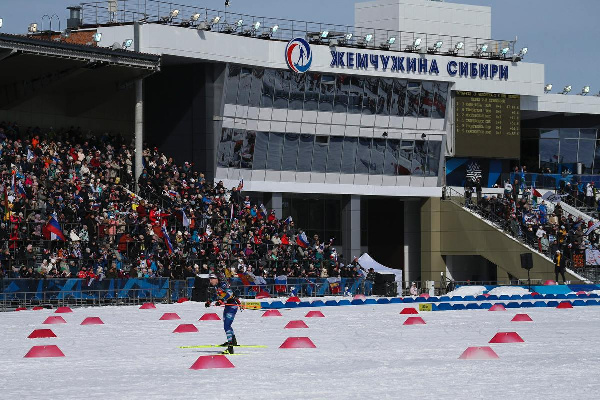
503	52
548	88
1	22
32	28
239	23
324	34
481	50
215	20
417	43
523	51
566	90
585	90
391	40
173	14
256	26
274	29
226	3
195	17
368	38
97	37
459	46
127	43
348	36
436	47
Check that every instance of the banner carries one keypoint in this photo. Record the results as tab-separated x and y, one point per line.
592	257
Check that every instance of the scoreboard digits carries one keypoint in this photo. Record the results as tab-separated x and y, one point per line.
487	124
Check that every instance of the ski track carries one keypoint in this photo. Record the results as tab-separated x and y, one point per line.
362	352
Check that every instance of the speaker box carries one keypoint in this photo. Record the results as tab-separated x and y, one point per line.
200	291
383	278
526	261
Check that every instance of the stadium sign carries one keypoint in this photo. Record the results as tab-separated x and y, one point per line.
421	65
298	55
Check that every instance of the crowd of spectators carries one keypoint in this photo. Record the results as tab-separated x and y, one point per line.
178	225
543	225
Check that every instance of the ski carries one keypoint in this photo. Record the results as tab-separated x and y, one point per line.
205	346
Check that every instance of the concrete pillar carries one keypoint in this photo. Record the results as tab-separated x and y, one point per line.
412	241
351	227
139	110
432	263
274	201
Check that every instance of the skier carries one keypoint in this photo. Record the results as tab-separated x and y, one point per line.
223	295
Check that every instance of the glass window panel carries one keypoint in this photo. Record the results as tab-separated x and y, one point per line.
398	98
371	96
290	152
319	163
405	157
260	150
597	158
349	155
255	88
275	150
268	88
585	155
413	94
327	93
549	134
377	157
342	88
225	148
549	150
355	97
386	88
238	144
248	149
433	157
363	156
419	162
390	165
305	150
426	99
568	145
311	98
334	156
244	86
439	101
298	83
588	134
233	78
282	88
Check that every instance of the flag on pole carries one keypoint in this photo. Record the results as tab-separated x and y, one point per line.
231	213
536	193
29	155
285	240
592	228
302	240
52	230
288	220
167	239
263	211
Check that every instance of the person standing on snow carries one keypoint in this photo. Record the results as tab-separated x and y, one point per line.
223	295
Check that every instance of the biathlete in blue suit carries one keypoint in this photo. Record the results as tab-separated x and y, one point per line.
223	295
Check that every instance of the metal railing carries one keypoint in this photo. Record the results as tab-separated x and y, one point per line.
158	11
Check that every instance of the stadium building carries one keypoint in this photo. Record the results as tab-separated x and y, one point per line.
353	130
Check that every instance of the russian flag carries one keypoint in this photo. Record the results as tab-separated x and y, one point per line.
167	240
302	240
52	231
263	211
288	220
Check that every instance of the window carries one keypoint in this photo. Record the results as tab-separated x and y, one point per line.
225	148
255	89
290	152
371	96
377	157
305	153
433	159
390	165
260	150
233	79
342	87
426	99
327	93
275	151
355	96
439	100
386	89
413	94
248	149
569	139
363	156
349	155
311	98
398	98
298	83
268	88
585	154
282	89
319	163
334	157
238	147
244	86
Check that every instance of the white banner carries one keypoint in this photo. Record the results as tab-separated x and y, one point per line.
592	257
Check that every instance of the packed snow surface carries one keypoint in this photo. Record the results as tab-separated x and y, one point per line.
363	352
509	291
467	291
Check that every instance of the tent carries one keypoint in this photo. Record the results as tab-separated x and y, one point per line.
367	262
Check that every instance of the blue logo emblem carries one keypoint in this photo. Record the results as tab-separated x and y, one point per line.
298	55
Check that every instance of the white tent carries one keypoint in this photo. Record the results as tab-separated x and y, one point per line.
367	262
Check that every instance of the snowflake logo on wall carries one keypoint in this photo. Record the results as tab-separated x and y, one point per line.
474	171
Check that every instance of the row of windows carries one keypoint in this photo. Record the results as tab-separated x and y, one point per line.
327	154
568	146
258	87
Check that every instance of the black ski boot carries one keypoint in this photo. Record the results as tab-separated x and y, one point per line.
229	349
233	342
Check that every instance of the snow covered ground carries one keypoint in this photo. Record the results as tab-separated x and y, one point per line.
362	352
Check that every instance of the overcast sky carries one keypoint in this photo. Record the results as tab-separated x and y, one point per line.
560	34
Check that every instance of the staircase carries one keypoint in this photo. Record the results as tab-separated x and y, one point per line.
470	230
